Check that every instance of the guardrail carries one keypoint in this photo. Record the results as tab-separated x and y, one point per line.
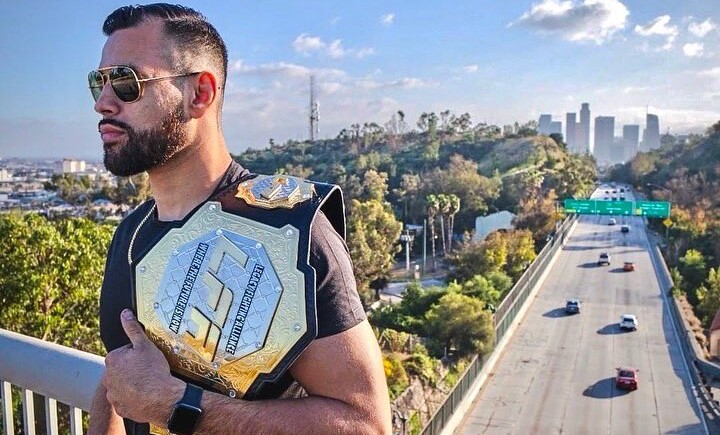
698	368
60	374
503	318
69	376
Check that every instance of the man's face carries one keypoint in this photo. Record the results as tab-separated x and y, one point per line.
142	135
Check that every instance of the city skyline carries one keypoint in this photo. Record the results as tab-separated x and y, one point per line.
500	63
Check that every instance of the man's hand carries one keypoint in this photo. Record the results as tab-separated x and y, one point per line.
137	377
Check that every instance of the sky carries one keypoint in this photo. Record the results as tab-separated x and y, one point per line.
500	62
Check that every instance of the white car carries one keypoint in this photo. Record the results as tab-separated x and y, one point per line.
628	322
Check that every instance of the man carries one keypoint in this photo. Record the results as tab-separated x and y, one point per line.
159	90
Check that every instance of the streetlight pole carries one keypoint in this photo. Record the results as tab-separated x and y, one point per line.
407	238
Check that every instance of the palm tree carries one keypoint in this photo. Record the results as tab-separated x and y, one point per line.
432	209
453	209
443	208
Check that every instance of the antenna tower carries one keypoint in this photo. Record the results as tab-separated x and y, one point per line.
314	111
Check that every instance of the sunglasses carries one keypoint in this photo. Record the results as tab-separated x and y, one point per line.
124	82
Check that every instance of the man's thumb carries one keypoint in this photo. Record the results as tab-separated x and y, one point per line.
132	328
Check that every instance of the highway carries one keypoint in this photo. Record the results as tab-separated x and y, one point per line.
557	374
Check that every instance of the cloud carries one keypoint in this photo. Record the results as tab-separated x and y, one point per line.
403	83
471	68
286	70
589	20
713	72
308	45
634	89
387	19
702	28
305	43
660	26
694	49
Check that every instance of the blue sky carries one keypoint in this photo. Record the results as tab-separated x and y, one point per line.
499	61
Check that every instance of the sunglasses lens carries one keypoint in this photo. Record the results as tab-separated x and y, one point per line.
95	81
124	83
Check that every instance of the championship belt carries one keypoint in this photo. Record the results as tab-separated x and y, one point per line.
228	299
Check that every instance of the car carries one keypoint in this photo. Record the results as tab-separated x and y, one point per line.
622	189
604	259
628	322
626	378
629	266
614	190
612	221
614	198
572	306
625	229
622	197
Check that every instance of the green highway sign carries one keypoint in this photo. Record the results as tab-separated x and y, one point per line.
579	206
654	209
651	209
623	208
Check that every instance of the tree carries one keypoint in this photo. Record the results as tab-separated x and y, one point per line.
709	297
433	207
461	322
692	266
50	276
373	234
453	209
443	209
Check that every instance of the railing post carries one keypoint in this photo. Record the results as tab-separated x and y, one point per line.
51	418
7	405
28	412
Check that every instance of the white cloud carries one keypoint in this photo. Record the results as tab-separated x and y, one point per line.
335	49
307	45
286	70
471	68
634	89
588	20
713	72
387	19
403	83
660	26
702	28
694	49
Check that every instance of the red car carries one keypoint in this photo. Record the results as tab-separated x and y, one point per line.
629	266
627	378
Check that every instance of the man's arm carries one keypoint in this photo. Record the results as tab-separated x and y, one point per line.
103	418
343	375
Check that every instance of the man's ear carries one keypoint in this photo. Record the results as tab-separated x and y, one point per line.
204	94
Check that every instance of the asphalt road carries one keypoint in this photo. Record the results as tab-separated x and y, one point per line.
557	373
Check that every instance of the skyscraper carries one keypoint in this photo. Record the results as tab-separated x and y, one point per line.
570	132
544	124
556	127
651	135
604	138
583	134
630	142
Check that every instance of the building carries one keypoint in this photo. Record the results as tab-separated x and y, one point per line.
544	124
571	132
651	135
630	141
71	166
604	138
583	132
555	128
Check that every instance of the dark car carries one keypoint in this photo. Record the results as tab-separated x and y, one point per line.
627	378
625	229
604	259
572	306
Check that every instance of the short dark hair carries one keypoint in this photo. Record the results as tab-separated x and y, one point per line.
191	31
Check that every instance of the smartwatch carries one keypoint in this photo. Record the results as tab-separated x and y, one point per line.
186	414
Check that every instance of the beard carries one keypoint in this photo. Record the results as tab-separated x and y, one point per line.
147	149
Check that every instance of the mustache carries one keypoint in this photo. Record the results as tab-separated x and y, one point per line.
114	123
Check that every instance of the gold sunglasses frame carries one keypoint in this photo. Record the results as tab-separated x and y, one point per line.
106	79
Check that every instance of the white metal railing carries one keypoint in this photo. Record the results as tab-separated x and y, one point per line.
59	373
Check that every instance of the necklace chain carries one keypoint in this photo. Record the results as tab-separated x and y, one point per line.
137	230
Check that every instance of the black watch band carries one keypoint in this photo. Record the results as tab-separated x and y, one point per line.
186	413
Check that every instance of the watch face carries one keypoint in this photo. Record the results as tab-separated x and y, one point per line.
184	419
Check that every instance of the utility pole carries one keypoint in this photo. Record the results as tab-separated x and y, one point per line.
424	245
407	238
